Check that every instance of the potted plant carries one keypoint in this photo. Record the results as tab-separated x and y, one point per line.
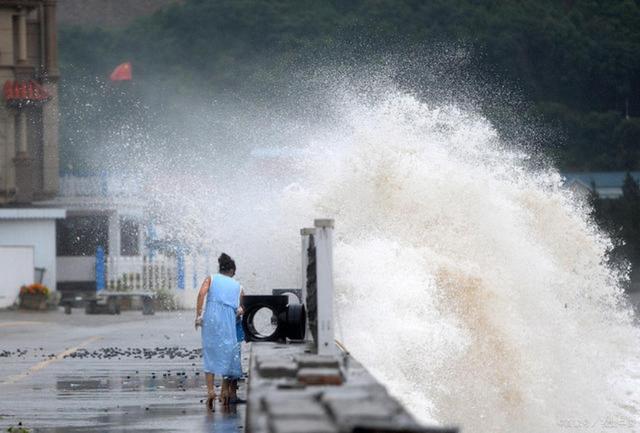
34	296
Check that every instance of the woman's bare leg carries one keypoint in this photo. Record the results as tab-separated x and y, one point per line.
233	389
210	390
210	387
224	392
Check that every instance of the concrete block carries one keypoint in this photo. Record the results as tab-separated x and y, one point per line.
301	425
289	383
275	369
305	408
275	396
350	413
257	422
317	361
393	427
345	394
270	357
320	376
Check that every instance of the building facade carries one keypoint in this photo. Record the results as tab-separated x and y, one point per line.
28	145
102	211
29	115
27	228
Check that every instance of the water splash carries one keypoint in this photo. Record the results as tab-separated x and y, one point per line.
473	285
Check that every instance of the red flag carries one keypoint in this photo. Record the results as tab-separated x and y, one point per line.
122	72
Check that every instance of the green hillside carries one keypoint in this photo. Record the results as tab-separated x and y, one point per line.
575	63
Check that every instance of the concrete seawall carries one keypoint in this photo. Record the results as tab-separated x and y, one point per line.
314	385
293	390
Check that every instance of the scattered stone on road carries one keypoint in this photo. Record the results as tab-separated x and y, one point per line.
78	373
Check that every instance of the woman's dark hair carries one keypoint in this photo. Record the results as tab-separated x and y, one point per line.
226	263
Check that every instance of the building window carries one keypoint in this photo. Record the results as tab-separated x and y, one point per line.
81	235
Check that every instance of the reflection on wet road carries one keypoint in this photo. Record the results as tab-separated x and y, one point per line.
106	374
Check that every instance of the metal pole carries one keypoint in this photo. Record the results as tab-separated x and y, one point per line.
324	268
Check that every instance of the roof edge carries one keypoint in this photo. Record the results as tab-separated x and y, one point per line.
31	213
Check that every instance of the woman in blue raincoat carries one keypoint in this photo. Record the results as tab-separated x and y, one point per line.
220	342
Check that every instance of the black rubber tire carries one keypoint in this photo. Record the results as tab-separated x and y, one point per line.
296	322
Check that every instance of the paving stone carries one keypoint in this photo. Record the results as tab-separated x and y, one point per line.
302	425
320	376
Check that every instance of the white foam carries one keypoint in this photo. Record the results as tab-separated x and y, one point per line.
475	287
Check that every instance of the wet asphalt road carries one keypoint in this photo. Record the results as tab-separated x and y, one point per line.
100	373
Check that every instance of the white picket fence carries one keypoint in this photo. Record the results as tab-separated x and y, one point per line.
156	274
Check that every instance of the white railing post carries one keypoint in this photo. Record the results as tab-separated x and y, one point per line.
157	271
164	272
107	272
144	280
324	268
112	271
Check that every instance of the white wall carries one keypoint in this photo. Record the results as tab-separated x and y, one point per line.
38	233
16	270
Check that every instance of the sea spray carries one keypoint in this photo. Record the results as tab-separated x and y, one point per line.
473	285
